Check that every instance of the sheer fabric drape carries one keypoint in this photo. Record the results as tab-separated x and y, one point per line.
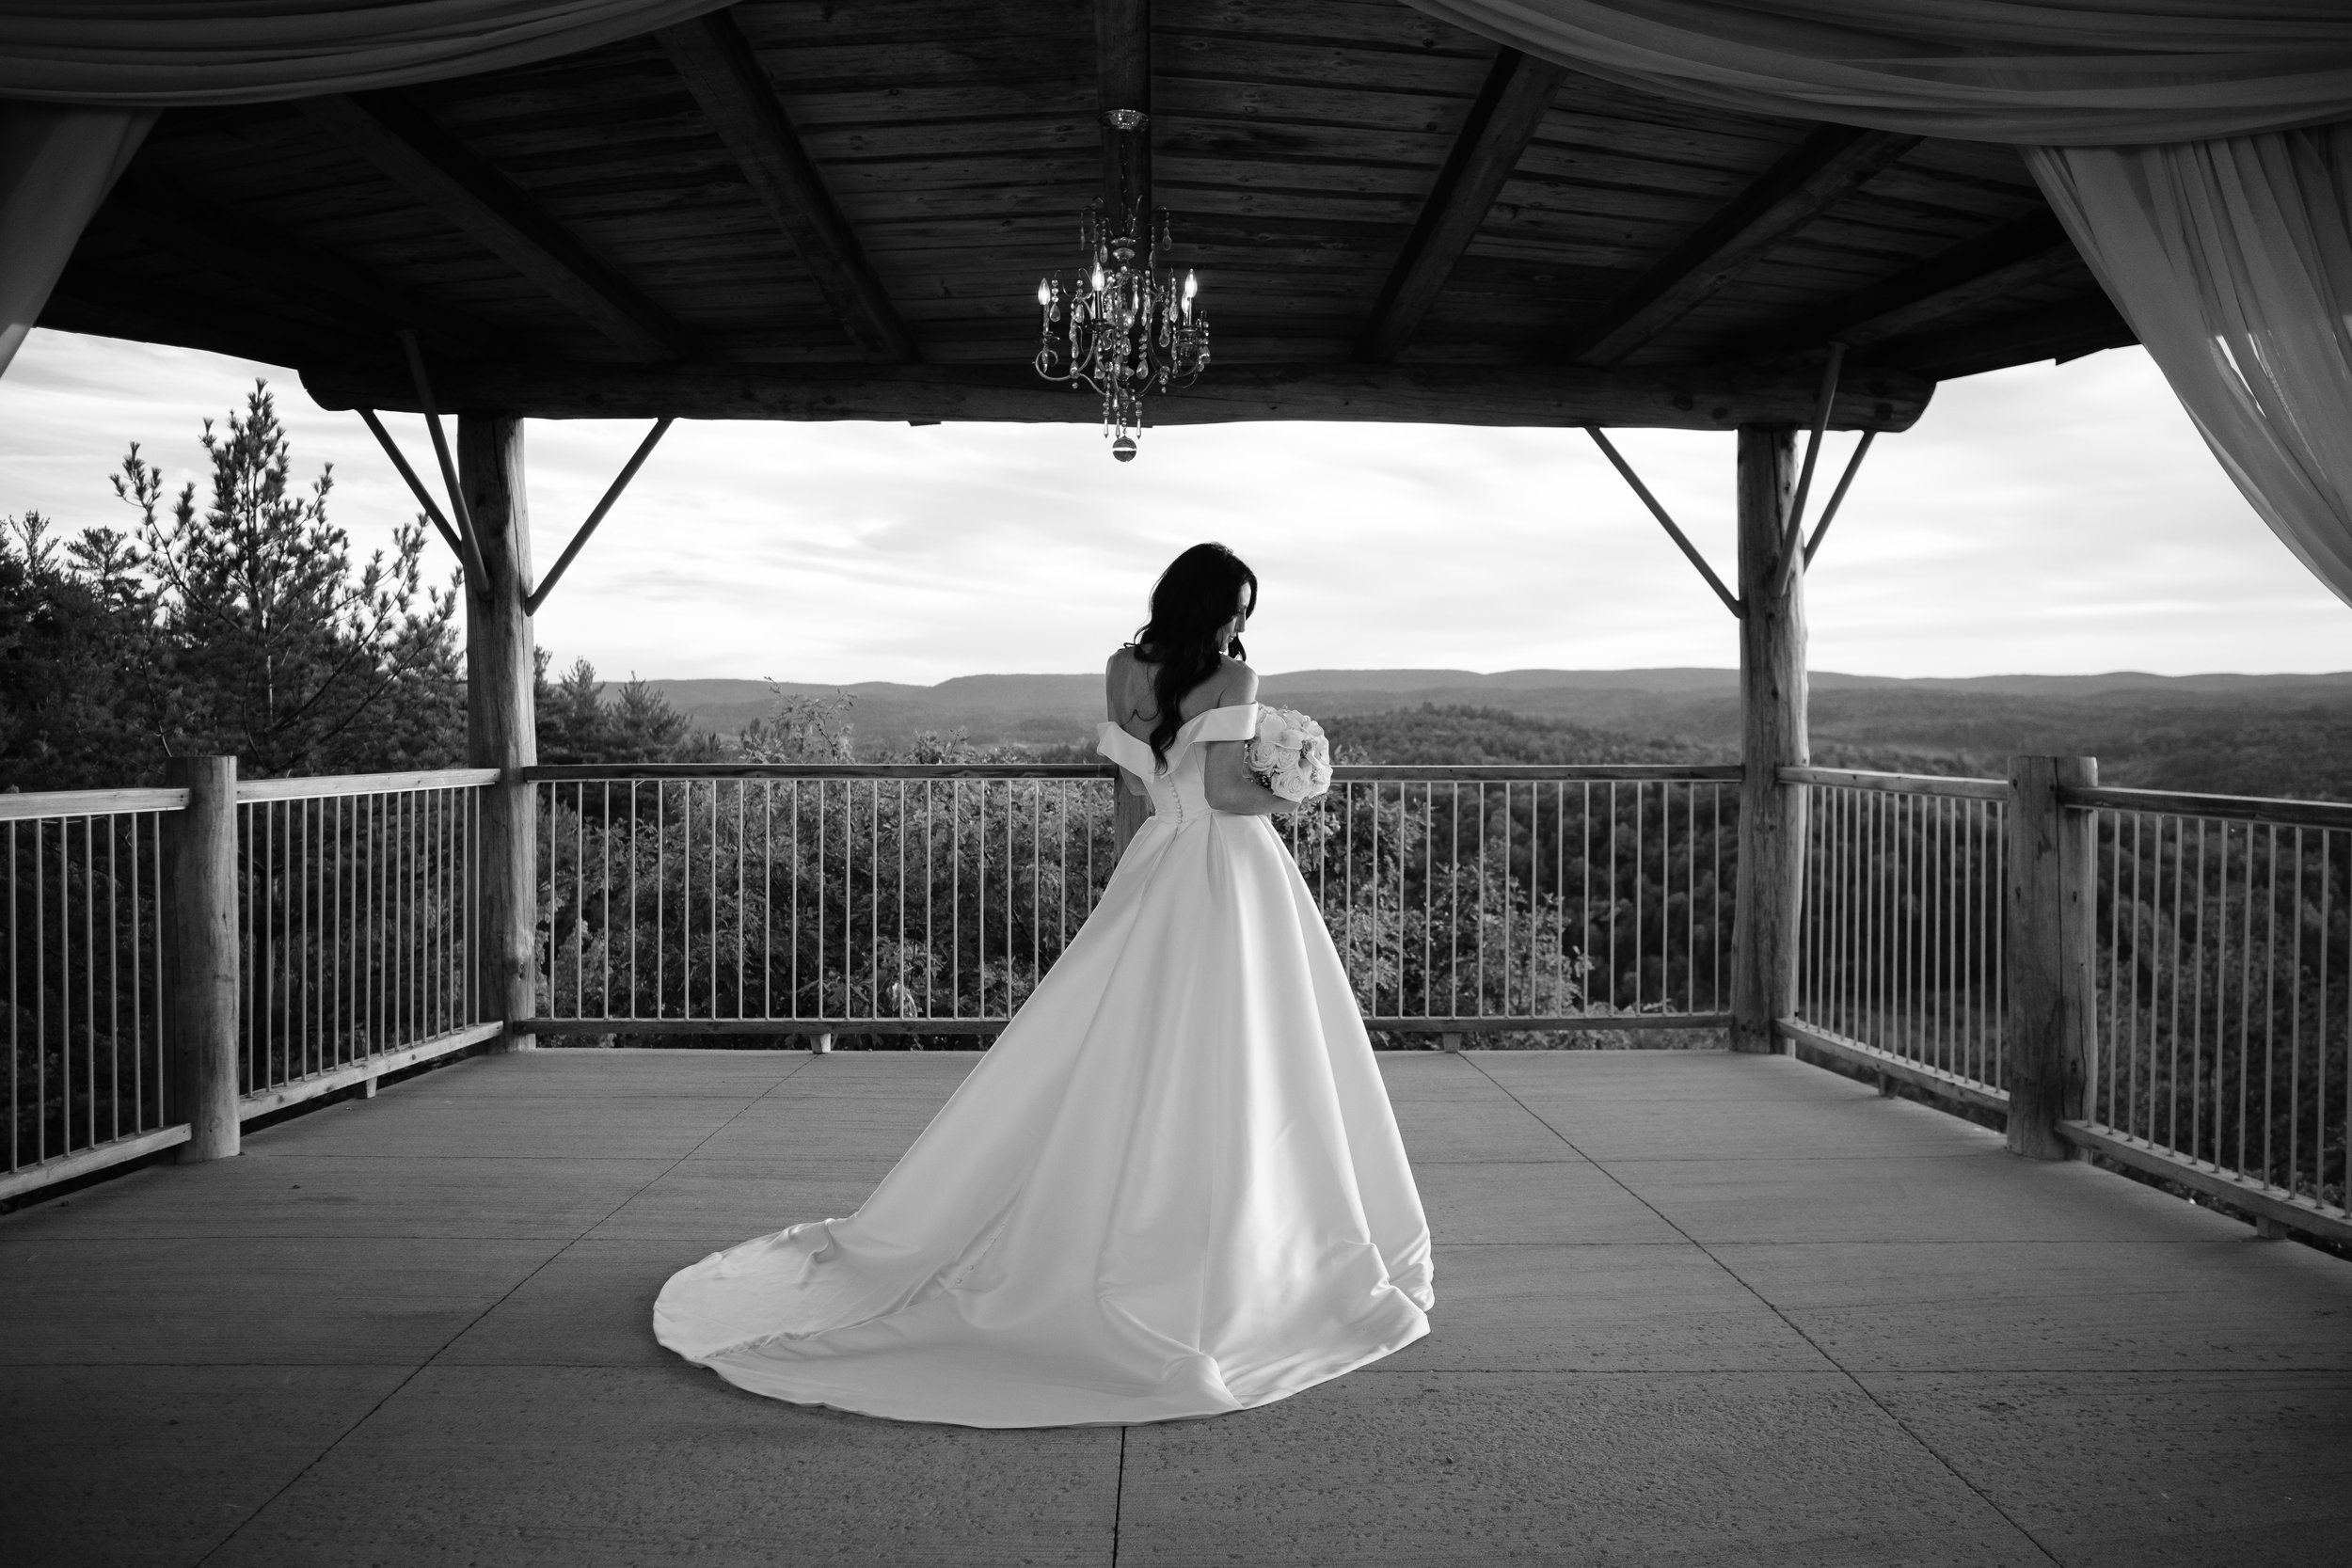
81	80
2232	260
2047	73
56	165
2174	137
161	53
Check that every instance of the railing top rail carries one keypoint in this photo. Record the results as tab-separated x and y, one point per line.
364	784
1354	772
2234	808
1898	783
89	802
1591	772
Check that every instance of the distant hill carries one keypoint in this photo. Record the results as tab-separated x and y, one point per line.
2266	735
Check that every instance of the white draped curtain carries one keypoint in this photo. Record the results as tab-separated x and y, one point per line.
81	81
2195	151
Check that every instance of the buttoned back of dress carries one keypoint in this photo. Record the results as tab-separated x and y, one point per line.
1179	787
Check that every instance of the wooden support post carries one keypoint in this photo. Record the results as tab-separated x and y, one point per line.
1450	1043
500	729
2052	896
1773	737
821	1045
200	955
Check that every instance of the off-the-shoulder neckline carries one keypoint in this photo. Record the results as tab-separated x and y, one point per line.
1223	708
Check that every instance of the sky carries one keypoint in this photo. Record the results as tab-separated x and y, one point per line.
2047	519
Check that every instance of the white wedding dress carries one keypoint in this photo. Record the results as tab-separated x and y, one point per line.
1173	1187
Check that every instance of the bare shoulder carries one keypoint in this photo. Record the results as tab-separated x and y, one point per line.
1118	682
1237	684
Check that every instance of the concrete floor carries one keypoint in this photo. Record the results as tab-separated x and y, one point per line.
1692	1309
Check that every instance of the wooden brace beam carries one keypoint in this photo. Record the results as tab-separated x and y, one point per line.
1792	535
1731	600
1810	179
416	486
1706	398
715	60
1501	123
537	597
476	573
403	141
1838	497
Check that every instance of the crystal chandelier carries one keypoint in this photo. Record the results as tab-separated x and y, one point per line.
1123	326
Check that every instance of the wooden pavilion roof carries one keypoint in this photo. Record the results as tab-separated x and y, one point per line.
840	209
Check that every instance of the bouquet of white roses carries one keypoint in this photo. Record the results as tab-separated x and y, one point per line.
1289	755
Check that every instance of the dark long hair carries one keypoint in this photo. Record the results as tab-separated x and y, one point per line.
1193	598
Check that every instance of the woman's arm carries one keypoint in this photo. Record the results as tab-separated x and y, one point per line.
1115	707
1225	775
1231	787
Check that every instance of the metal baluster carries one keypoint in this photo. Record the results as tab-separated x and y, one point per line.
41	991
2244	993
955	897
930	901
2295	1022
796	899
2319	1034
636	910
1639	875
1037	878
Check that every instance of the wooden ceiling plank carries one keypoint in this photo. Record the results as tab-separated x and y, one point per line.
236	244
718	67
1967	276
1808	180
100	300
1501	123
1698	398
405	142
1990	266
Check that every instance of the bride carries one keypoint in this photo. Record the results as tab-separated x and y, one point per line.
1174	1185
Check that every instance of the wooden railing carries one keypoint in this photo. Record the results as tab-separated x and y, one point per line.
2159	979
928	900
86	1004
183	960
2162	980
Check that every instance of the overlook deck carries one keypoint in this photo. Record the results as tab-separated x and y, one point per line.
1693	1309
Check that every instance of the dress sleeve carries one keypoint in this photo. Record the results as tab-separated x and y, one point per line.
1238	723
1125	750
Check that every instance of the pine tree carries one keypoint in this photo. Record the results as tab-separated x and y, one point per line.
280	649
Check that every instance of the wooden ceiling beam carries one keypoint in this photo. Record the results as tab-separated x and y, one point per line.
2061	332
1808	180
1990	266
398	138
1709	398
237	245
1501	123
716	61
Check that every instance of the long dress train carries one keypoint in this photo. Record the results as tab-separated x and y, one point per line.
1173	1187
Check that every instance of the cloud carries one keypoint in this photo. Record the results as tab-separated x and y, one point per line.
2047	518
